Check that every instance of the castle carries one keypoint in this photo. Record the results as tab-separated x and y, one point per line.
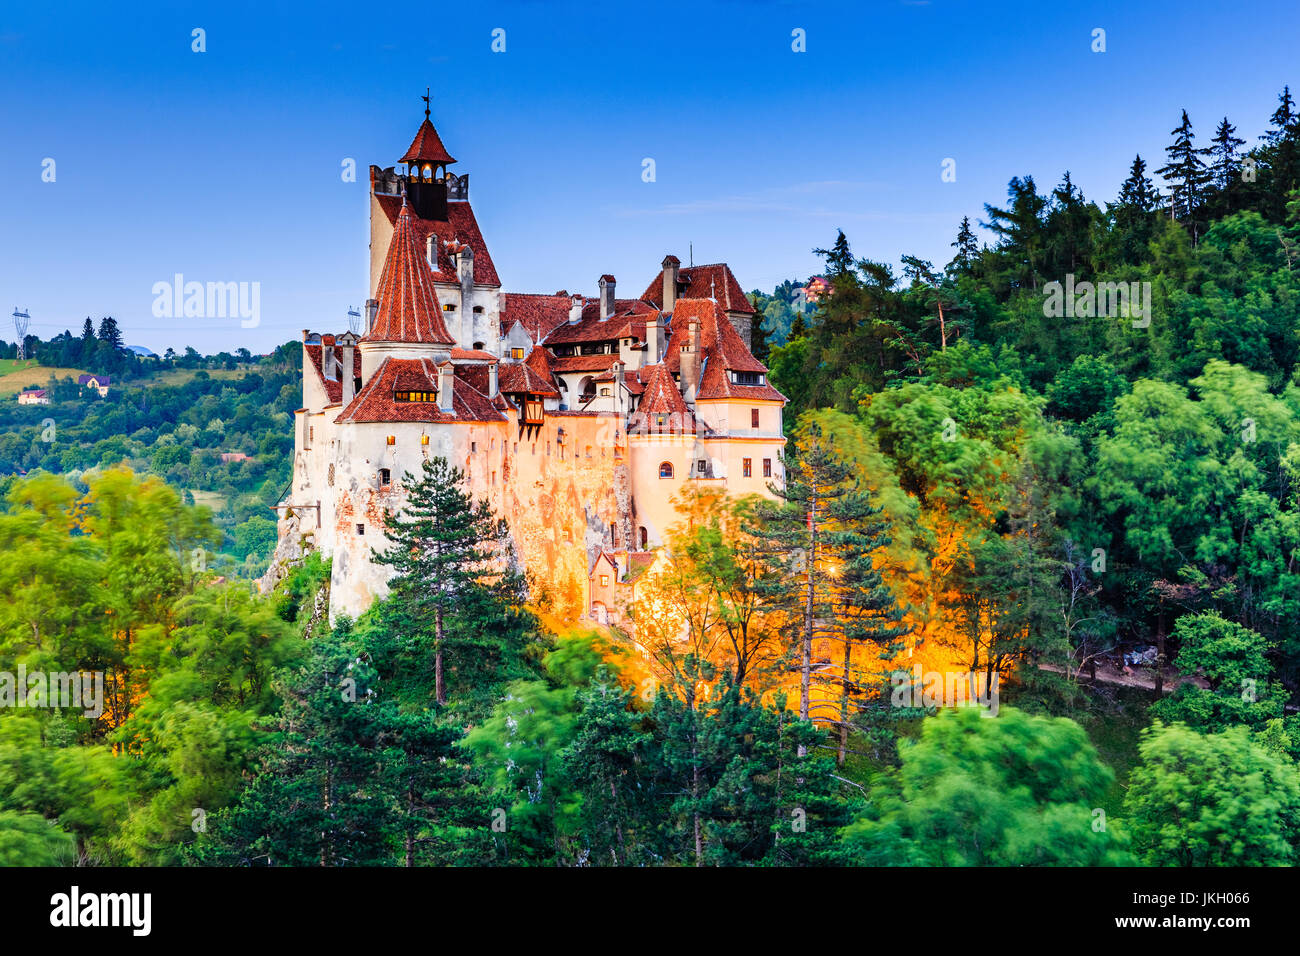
577	419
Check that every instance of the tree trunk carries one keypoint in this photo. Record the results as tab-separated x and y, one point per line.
1160	651
844	705
805	664
440	692
410	834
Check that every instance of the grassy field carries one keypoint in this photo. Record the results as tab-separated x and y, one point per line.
15	379
209	499
13	365
183	376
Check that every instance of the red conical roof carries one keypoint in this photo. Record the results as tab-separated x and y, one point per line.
427	147
408	305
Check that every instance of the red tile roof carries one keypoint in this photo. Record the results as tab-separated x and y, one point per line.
629	319
374	403
722	350
516	377
702	282
583	363
334	389
408	303
460	225
427	146
538	314
661	398
474	355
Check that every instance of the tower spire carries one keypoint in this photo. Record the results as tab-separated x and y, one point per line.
425	97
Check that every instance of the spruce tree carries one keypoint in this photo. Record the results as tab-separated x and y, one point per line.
966	245
839	259
1186	173
1224	167
443	548
109	333
821	534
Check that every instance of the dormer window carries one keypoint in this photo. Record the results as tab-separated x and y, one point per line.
415	397
747	378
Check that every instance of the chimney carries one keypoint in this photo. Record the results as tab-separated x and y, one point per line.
306	365
492	380
575	309
431	251
689	371
465	268
670	265
606	297
446	387
372	306
327	358
346	353
654	332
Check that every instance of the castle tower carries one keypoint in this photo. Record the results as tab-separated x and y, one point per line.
408	321
426	162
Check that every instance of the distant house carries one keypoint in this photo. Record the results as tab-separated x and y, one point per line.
816	288
35	396
229	456
99	383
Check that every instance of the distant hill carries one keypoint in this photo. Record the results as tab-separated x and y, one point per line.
142	351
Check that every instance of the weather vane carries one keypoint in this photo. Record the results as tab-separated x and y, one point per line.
425	97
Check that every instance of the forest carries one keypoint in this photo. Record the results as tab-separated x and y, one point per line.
1025	598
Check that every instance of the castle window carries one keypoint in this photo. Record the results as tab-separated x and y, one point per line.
392	439
767	467
665	469
747	467
415	397
753	418
427	172
516	353
361	529
478	310
424	440
604	580
478	346
747	378
449	308
645	538
385	477
604	390
473	448
702	465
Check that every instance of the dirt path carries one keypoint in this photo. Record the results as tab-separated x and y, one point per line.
1143	677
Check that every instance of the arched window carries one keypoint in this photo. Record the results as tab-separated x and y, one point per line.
645	538
428	174
666	469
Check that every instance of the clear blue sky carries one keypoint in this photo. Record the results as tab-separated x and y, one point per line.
225	165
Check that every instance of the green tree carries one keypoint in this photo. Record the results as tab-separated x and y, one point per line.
1212	800
1012	790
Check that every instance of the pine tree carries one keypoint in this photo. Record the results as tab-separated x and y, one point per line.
1138	191
1283	120
1224	167
966	245
821	535
443	546
109	332
1186	174
839	259
1020	228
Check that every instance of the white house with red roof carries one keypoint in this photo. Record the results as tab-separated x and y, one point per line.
577	418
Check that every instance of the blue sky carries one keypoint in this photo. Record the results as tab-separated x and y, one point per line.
225	165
